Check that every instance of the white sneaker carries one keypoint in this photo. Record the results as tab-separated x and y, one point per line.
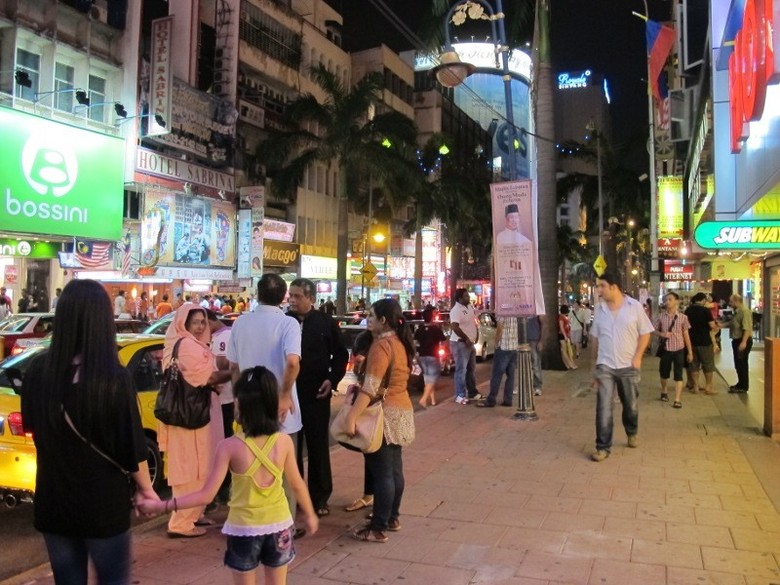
537	391
461	400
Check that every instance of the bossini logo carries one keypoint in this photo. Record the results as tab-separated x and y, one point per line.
51	168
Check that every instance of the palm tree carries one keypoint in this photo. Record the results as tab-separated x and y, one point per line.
345	137
572	250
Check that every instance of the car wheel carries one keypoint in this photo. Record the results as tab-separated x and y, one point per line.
155	462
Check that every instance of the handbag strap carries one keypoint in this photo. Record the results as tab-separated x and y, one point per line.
672	325
92	445
382	392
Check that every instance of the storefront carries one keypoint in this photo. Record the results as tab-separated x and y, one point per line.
62	186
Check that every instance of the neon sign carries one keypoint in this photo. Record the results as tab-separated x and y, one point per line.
574	80
752	67
738	234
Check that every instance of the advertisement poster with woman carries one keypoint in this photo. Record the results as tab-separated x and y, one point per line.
201	231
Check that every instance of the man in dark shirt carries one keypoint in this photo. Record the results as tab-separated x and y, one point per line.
323	364
428	338
702	330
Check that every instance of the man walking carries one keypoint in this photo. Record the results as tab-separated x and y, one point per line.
323	364
120	305
620	332
267	337
741	333
672	327
504	362
702	332
462	339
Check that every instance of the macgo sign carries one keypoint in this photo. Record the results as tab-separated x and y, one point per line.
753	66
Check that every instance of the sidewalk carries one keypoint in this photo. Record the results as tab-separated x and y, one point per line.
495	501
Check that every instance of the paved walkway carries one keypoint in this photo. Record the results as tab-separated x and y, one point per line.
490	500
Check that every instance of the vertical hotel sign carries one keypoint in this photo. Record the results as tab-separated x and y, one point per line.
518	282
161	78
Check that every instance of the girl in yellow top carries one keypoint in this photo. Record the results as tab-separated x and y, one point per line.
259	525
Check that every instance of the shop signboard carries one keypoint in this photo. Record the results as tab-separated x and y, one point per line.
58	179
182	229
751	235
678	272
670	207
161	74
281	231
243	267
280	254
28	249
669	247
318	267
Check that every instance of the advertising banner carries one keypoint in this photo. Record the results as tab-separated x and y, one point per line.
28	249
256	197
183	229
57	179
244	269
670	207
727	269
518	283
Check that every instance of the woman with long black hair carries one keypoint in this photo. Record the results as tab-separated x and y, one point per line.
390	355
80	406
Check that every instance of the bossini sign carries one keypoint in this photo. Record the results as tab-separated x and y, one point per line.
60	180
738	234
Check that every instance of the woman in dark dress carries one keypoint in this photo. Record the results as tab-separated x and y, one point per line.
80	406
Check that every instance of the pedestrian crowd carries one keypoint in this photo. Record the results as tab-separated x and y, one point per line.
274	373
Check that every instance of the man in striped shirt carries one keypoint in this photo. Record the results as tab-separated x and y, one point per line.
672	327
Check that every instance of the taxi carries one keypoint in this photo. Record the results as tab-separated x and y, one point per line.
141	354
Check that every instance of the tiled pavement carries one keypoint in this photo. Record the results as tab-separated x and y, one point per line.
495	501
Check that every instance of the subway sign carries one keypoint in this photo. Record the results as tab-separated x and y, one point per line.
715	235
60	180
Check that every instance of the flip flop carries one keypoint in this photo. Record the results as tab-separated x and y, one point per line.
360	503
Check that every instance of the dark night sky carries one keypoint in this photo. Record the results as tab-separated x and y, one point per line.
600	35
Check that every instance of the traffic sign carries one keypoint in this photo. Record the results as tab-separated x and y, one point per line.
600	265
368	270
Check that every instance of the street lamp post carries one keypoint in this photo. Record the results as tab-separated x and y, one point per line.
452	72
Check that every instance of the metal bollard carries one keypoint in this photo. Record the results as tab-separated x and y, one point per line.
525	385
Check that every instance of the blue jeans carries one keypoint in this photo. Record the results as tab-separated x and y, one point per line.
536	363
69	555
626	380
504	362
387	475
464	355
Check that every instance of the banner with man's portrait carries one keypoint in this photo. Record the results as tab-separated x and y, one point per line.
518	285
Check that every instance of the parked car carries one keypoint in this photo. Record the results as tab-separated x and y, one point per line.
141	354
22	326
486	344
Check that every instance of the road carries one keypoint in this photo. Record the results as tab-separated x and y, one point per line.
23	547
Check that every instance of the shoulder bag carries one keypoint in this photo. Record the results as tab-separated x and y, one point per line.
662	343
369	426
179	403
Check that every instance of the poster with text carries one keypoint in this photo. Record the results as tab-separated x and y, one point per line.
515	256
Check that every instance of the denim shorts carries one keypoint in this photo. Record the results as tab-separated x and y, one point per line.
431	368
245	553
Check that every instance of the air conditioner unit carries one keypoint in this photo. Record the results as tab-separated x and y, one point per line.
99	12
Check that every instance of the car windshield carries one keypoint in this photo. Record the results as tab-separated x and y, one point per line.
158	327
19	363
14	323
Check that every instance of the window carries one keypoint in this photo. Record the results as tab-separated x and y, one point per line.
97	95
63	87
30	63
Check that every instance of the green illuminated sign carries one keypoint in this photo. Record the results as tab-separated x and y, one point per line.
58	179
738	234
28	249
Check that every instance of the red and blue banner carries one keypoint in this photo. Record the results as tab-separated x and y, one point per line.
660	40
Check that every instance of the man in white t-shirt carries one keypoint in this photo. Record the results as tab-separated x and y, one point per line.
267	337
465	334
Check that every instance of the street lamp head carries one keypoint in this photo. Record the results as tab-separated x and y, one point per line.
379	237
451	71
631	223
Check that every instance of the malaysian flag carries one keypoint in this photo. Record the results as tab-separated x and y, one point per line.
125	248
91	254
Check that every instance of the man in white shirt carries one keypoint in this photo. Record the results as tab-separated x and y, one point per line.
465	334
620	333
267	337
220	338
511	233
119	305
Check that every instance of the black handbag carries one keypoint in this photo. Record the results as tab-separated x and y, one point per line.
179	403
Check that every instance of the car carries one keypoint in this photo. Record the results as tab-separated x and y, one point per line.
23	326
349	333
141	354
486	344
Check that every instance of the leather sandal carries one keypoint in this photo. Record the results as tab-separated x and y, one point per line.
360	503
368	535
